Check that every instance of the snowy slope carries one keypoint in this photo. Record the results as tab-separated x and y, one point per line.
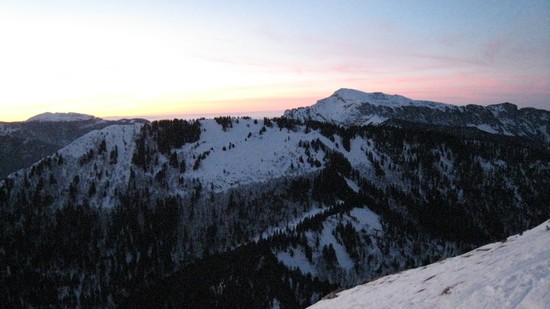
242	155
510	274
362	219
101	170
25	143
119	137
51	117
238	156
234	182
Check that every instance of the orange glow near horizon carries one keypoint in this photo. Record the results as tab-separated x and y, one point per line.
238	101
167	106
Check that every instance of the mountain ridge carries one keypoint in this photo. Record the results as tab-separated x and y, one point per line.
348	107
136	203
134	210
26	142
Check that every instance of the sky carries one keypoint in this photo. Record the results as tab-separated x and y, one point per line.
165	59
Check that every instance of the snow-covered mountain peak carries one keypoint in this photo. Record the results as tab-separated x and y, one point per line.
354	107
348	107
55	117
509	274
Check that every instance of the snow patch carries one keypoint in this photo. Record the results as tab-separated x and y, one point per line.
352	185
485	127
365	218
327	239
296	260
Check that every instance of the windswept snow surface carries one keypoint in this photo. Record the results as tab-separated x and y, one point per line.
61	117
510	274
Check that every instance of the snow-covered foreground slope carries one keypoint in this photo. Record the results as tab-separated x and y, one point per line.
510	274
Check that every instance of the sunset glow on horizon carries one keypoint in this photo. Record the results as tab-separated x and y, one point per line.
171	58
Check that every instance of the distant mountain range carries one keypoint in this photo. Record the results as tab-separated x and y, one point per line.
349	107
256	213
59	117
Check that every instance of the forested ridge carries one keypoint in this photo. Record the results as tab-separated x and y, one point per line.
157	213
